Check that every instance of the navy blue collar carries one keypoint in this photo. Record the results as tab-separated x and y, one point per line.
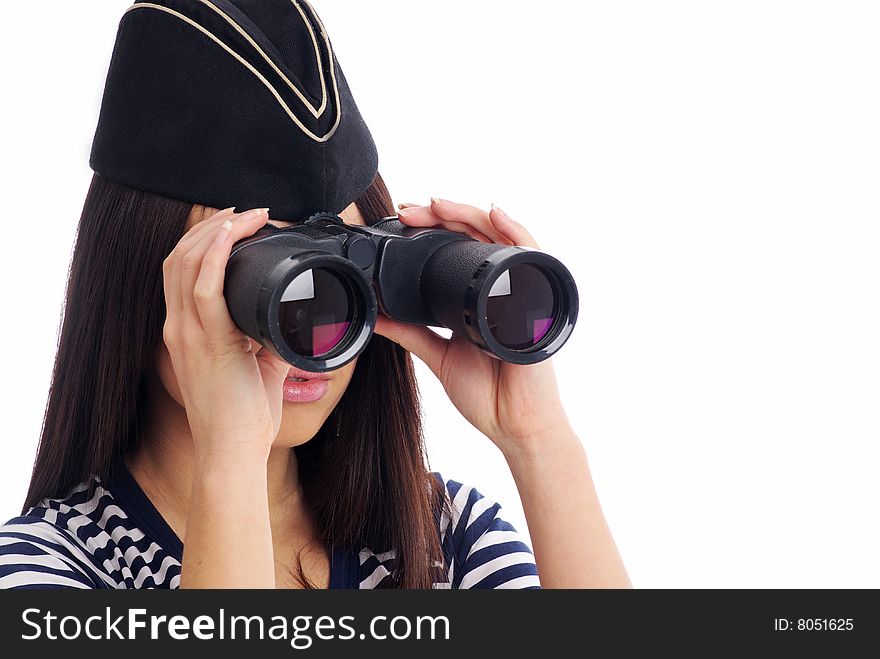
134	501
344	562
344	568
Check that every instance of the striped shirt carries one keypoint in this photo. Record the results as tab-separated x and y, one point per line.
115	538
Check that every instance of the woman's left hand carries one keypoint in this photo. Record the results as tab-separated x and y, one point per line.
514	405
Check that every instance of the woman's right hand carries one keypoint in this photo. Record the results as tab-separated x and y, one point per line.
232	396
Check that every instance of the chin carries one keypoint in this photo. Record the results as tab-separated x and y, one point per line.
295	438
290	442
299	425
305	410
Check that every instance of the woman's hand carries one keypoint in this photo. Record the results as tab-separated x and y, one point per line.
518	407
232	396
509	403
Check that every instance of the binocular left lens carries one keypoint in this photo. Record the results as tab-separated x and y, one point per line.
517	304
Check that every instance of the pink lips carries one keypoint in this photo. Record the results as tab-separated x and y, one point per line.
306	375
314	386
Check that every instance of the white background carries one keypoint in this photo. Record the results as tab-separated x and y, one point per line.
709	171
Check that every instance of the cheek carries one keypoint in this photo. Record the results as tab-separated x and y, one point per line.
344	377
341	379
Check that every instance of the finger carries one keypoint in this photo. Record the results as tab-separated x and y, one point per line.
513	230
191	262
207	290
226	212
422	216
197	231
475	217
170	266
204	224
433	215
171	289
191	238
171	270
460	227
419	340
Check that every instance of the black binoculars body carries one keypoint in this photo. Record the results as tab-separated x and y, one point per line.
310	293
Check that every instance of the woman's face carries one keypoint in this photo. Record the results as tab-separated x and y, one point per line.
299	420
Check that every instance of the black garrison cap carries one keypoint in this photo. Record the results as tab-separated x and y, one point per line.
232	103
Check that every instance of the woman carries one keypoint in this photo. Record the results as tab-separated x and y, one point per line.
166	424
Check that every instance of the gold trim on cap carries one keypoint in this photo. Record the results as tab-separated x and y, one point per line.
316	112
260	77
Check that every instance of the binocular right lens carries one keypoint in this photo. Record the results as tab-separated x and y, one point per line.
515	303
522	307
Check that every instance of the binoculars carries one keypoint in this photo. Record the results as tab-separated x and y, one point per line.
310	292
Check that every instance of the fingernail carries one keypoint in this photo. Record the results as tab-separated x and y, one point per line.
407	211
499	210
253	214
401	206
435	200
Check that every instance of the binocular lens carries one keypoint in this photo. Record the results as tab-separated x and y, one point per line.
522	307
317	311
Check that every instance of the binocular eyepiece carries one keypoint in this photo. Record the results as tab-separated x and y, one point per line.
310	293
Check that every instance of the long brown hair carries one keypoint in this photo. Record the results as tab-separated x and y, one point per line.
364	473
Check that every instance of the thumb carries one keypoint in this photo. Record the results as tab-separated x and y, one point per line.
419	340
